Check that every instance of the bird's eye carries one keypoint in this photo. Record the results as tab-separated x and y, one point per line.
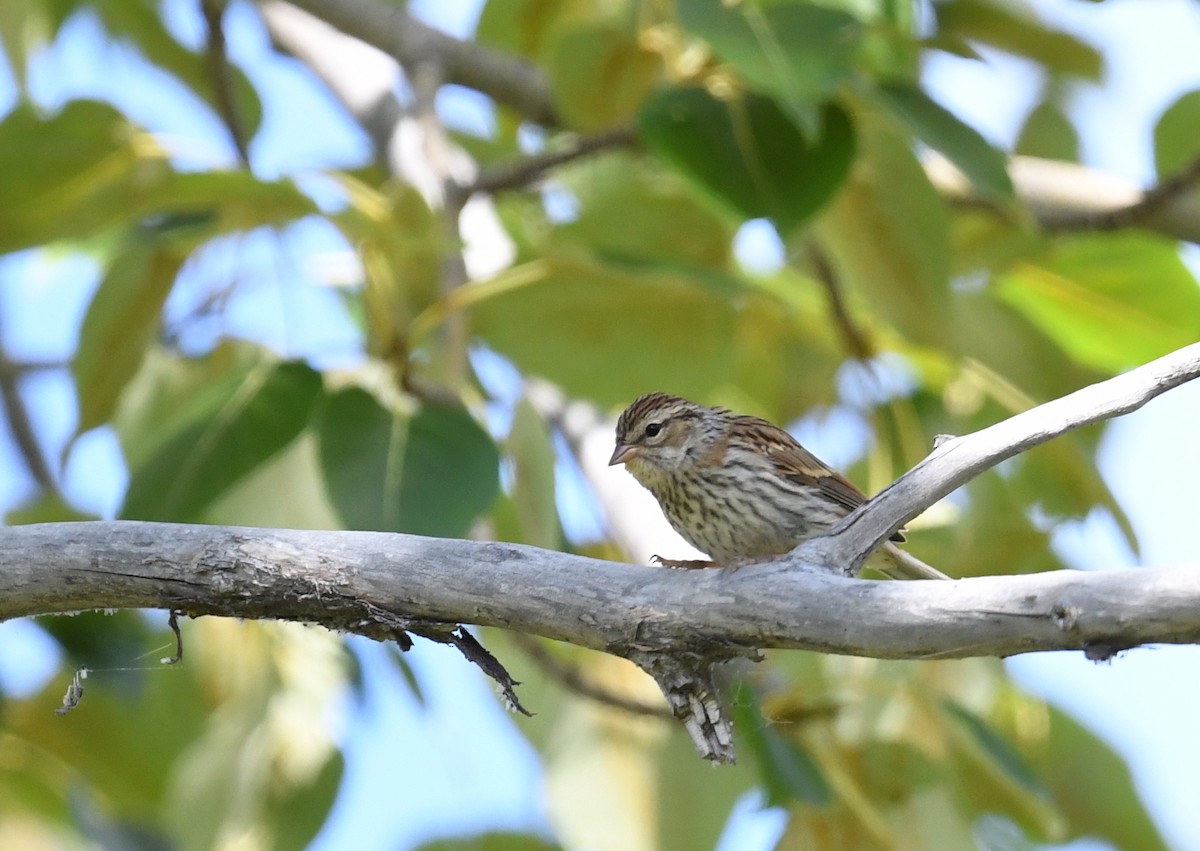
653	429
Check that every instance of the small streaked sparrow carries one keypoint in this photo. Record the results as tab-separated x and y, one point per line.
737	487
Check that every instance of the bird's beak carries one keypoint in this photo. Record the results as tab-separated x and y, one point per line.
622	453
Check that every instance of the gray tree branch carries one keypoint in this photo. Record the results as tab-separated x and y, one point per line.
955	462
506	79
338	579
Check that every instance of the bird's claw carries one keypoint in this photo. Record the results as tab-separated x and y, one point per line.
684	564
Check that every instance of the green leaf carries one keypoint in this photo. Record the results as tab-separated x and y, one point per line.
631	207
528	27
139	25
787	771
1176	143
598	331
533	461
397	239
491	842
95	173
748	153
44	508
887	236
119	742
254	499
1090	295
694	806
998	749
297	816
431	473
998	779
599	75
216	438
121	322
786	351
1048	133
798	53
984	165
1093	786
1015	29
87	158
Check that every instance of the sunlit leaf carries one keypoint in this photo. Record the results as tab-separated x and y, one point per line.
787	353
81	180
528	27
254	499
886	233
397	240
599	75
1014	28
122	320
533	460
216	438
1090	295
634	209
599	331
429	473
748	153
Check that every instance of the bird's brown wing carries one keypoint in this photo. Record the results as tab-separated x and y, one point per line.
797	464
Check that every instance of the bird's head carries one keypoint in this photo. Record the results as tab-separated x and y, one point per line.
661	434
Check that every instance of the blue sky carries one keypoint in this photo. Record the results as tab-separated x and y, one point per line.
1143	704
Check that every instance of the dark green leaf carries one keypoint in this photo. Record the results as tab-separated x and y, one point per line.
797	53
216	438
748	153
787	771
1176	140
296	816
936	126
431	473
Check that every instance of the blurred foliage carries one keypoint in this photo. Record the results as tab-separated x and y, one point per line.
810	116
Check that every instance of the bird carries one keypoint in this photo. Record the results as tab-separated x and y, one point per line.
737	487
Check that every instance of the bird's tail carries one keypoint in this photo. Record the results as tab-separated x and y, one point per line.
898	564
